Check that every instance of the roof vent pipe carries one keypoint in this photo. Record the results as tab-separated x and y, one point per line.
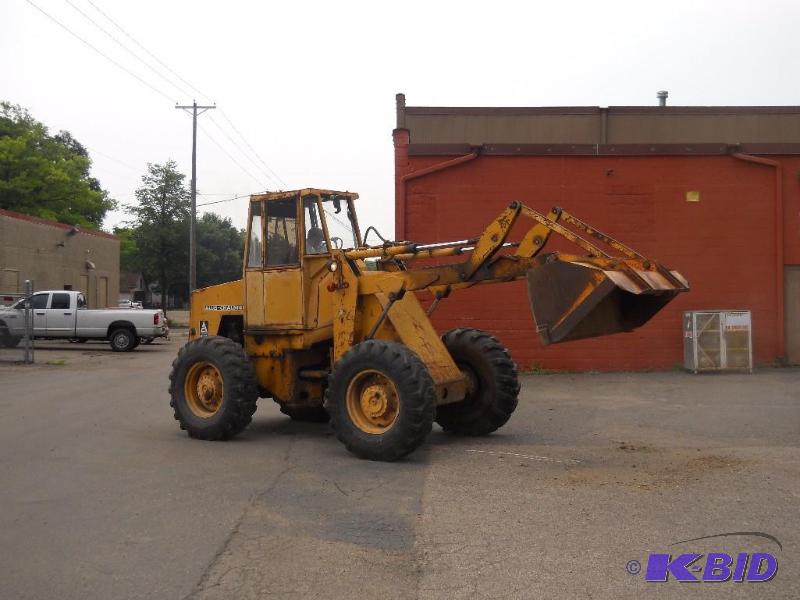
662	97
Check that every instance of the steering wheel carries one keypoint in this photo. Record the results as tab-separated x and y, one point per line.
337	242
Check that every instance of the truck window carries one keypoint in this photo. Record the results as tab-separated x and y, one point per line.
40	300
60	301
81	301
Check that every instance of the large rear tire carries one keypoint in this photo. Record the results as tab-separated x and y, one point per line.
213	389
381	400
493	389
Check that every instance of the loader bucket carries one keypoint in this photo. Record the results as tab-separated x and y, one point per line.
572	300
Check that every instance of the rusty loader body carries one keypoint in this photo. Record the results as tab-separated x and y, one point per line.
331	327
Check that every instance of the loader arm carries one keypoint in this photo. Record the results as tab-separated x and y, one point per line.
572	296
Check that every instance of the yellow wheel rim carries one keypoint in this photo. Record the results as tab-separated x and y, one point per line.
373	403
204	389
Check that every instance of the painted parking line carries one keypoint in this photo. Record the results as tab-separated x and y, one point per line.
568	461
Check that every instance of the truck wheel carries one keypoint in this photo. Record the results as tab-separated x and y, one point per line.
213	388
123	340
381	400
7	340
306	414
493	383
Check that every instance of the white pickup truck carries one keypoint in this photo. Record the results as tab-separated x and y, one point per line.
63	314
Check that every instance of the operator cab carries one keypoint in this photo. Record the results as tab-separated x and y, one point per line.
290	234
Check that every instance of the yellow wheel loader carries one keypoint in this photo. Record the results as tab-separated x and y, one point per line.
331	327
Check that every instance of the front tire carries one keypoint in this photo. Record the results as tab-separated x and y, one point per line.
494	385
213	389
123	340
381	400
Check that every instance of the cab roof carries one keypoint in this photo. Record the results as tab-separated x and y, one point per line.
302	192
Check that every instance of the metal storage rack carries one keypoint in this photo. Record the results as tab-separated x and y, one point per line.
718	340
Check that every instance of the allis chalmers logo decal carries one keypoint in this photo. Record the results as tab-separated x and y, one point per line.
223	307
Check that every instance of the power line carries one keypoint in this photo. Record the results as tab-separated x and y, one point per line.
225	200
247	156
258	156
116	160
108	58
124	47
153	56
269	172
274	177
176	74
229	155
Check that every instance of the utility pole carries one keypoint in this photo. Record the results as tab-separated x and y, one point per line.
194	108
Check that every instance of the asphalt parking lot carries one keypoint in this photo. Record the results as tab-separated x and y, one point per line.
104	497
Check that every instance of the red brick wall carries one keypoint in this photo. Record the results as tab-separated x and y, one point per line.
725	245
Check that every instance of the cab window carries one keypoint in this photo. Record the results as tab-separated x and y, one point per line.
40	300
340	222
254	254
315	235
60	301
281	226
81	301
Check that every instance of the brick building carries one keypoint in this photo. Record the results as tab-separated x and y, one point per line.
55	256
713	192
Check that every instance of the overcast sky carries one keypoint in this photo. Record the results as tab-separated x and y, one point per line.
311	85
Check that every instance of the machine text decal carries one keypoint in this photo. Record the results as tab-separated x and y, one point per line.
223	307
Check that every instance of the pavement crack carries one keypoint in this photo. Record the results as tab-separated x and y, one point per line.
203	584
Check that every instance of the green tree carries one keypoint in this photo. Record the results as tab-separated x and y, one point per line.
219	250
161	229
128	250
47	175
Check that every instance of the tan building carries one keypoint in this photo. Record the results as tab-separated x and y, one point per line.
55	256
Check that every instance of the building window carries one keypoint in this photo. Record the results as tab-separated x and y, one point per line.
67	286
